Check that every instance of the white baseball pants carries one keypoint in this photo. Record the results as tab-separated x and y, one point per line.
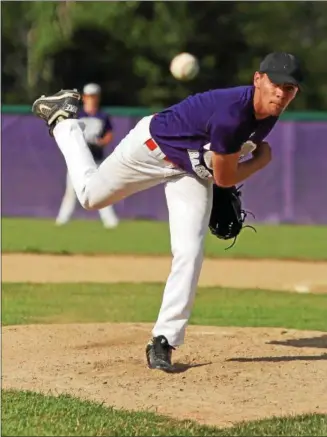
132	167
68	205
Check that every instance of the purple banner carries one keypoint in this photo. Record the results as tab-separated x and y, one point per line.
291	189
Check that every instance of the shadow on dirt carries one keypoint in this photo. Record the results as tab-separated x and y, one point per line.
280	359
318	342
183	367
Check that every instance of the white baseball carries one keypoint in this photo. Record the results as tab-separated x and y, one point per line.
184	66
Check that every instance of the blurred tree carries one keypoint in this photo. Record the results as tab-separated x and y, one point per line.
14	51
83	61
32	32
297	27
142	39
127	46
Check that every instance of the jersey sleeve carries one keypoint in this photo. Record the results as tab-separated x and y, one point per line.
222	134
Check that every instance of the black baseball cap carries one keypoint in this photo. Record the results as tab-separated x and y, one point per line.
282	67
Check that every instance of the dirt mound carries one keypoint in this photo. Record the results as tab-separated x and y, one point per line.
267	274
224	375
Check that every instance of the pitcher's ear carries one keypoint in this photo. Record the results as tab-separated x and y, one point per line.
257	79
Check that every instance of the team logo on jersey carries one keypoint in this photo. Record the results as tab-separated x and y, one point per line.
198	168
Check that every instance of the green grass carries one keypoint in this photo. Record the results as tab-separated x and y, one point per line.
150	237
59	303
31	414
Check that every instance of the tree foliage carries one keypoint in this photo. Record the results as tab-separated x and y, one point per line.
127	47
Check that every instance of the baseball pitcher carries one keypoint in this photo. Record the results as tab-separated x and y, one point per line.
171	148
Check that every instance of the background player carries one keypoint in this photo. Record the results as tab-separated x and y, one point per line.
98	134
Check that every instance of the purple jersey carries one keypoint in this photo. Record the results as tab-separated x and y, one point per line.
96	126
220	120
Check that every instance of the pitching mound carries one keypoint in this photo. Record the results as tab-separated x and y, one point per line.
223	375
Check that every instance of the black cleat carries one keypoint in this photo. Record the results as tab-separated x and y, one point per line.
158	354
60	106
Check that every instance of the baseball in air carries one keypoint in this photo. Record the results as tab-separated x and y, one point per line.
184	66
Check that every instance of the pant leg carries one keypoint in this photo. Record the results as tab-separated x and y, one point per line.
107	214
108	217
68	203
189	203
132	167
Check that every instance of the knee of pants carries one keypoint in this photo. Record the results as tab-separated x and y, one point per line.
89	202
92	201
88	206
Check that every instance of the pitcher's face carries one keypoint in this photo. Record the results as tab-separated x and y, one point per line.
273	98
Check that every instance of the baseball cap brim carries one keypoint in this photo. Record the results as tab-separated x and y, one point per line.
279	78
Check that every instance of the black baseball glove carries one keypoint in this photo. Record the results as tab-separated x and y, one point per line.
227	216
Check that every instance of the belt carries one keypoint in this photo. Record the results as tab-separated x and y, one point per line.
152	145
